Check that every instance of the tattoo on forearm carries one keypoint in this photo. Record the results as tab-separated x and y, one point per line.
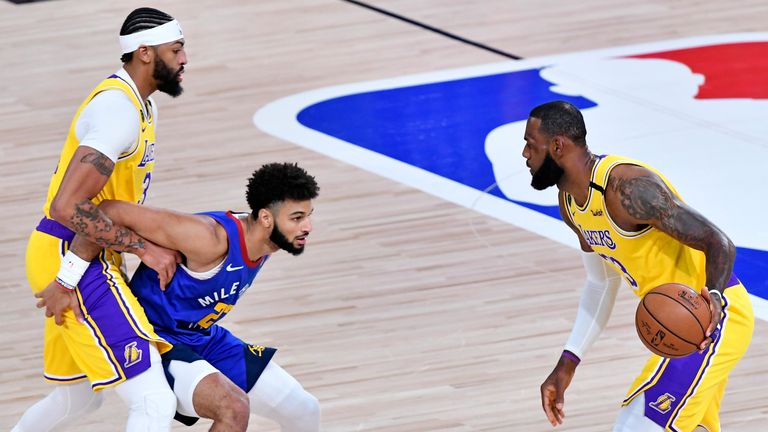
649	199
89	222
103	164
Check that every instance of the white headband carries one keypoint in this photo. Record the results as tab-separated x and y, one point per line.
168	32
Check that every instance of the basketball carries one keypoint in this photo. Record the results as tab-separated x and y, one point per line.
672	320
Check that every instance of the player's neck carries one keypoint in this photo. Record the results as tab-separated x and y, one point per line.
142	77
577	176
257	242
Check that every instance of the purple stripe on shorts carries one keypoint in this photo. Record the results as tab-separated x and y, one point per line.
130	350
121	300
663	399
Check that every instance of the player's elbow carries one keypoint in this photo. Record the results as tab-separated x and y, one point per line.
60	211
725	245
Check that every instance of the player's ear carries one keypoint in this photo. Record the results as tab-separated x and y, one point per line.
145	53
556	145
265	218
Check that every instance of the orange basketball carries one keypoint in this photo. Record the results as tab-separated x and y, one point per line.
672	320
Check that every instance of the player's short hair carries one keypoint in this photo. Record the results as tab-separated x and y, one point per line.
561	118
277	182
142	19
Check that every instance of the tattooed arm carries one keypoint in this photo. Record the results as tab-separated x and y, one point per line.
636	196
86	175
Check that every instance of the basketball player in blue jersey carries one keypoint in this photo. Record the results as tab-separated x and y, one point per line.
96	334
632	224
213	373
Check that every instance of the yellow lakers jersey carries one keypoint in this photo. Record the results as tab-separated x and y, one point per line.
646	258
132	174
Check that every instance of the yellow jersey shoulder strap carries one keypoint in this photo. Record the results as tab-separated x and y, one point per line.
605	165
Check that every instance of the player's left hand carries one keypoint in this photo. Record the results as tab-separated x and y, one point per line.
716	308
56	300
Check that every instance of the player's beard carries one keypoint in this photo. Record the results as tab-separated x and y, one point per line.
167	80
547	175
283	243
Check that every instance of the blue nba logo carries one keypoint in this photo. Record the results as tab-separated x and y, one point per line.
692	108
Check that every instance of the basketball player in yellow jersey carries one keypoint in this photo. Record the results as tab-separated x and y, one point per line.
96	333
633	225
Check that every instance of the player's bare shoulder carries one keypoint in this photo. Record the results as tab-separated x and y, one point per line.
636	195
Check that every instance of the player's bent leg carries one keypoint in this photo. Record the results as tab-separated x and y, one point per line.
203	391
632	418
218	398
150	400
279	396
63	406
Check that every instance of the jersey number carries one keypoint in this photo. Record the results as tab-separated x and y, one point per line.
221	310
623	269
145	185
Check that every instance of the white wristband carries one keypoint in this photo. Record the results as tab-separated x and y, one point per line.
71	271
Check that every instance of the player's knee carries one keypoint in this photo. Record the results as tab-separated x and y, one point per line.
233	408
158	405
93	403
83	400
77	399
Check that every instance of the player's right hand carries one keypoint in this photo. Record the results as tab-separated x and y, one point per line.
56	300
161	260
553	392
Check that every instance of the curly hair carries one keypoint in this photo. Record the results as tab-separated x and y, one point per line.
277	182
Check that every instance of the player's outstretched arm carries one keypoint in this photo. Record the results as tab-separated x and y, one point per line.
643	198
199	238
87	173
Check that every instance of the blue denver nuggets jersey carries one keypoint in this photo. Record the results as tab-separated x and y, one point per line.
189	305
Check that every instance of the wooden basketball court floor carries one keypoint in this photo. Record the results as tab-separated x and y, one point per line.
406	313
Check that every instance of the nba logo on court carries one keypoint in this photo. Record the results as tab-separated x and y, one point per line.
693	108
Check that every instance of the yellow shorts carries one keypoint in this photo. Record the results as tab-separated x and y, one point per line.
113	343
683	393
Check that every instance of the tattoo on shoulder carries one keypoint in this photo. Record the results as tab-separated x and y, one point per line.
644	198
102	163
